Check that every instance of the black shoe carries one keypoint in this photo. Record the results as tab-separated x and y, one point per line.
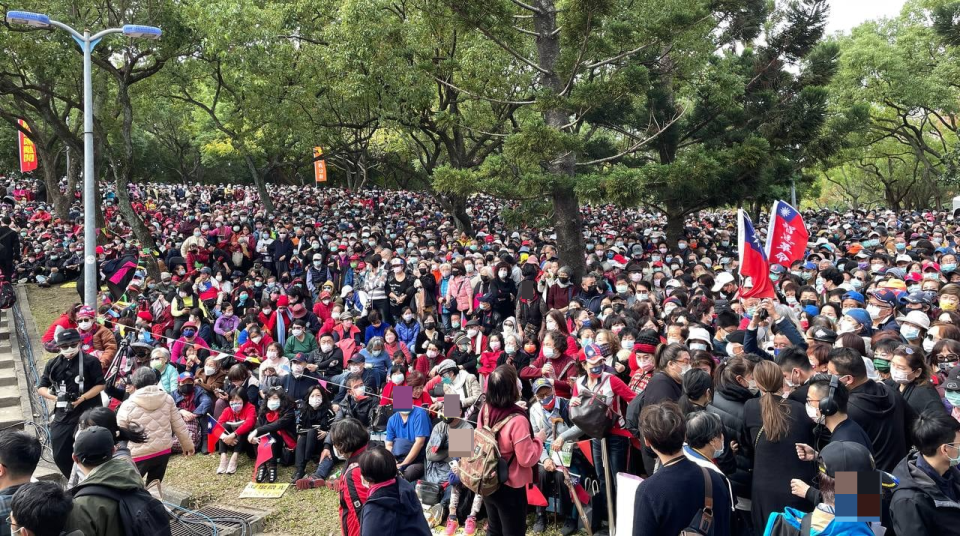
540	525
261	473
297	476
570	526
272	474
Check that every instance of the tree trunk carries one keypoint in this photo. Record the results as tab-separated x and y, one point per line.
567	222
259	182
674	227
122	179
456	207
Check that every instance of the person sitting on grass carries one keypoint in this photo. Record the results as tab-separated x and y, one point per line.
237	419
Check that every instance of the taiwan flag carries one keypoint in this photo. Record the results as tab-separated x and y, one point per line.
753	260
216	430
787	235
264	452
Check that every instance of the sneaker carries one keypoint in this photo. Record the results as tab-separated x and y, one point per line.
272	474
232	465
261	473
305	483
540	525
570	526
223	466
452	526
470	527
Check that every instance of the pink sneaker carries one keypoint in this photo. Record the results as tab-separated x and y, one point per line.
452	526
470	527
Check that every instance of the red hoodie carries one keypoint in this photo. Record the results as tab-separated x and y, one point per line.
349	511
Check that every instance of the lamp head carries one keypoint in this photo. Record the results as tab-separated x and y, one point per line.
144	32
27	18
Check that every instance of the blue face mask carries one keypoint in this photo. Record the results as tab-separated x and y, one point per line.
597	370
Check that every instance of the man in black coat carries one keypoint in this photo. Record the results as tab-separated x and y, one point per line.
879	410
9	248
926	502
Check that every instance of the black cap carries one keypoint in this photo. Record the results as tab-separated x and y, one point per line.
68	337
93	446
826	335
736	336
357	358
953	380
841	456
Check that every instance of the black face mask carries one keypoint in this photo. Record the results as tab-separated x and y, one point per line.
186	389
429	325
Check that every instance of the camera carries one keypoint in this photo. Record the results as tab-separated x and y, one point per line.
64	399
762	315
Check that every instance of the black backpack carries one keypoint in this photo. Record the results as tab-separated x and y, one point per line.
140	513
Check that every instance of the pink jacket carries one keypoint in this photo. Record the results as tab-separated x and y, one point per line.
459	291
522	449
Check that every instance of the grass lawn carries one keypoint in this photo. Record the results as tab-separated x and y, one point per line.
296	513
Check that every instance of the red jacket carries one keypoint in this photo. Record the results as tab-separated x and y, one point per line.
562	385
349	512
248	414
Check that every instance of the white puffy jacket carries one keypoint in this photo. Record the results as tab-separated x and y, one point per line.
156	413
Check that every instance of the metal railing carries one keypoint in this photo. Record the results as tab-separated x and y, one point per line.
40	410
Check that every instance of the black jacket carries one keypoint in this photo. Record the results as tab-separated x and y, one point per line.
882	414
919	507
661	387
728	404
919	398
329	364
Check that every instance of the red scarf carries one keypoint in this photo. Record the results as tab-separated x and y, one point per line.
288	440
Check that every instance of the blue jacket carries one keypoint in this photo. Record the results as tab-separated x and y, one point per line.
785	327
408	334
793	518
201	400
373	331
393	510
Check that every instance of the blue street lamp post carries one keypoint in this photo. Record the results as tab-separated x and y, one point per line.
87	43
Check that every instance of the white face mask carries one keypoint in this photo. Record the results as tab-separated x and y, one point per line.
432	353
471	333
495	345
70	352
325	348
899	376
355	368
551	325
548	352
397	379
502	274
315	402
209	371
336	315
273	405
297	370
296	332
814	414
271	354
685	369
928	345
85	324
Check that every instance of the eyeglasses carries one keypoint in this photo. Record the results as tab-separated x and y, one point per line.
948	357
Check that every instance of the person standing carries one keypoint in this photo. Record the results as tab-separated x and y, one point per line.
158	414
774	426
671	498
59	383
927	500
392	506
10	251
507	506
19	456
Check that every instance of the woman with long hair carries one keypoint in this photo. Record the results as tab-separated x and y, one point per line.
774	425
910	375
122	436
507	507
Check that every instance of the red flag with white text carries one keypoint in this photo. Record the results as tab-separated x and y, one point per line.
753	260
787	235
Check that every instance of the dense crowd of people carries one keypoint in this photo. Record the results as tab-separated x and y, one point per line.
301	330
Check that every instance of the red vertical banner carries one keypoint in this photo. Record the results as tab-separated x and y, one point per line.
28	151
319	165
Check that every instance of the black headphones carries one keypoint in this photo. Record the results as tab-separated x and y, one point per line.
828	406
